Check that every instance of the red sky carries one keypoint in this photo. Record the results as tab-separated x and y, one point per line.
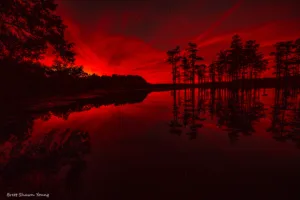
131	37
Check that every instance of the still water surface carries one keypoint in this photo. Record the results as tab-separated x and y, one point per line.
188	144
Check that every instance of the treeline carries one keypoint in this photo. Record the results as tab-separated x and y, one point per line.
240	61
29	29
33	79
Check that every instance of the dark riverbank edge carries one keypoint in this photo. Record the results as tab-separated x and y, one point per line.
138	94
237	84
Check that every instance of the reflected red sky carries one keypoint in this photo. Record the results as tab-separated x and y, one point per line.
111	124
132	37
131	147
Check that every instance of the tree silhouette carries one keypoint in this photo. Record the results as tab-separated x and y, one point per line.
173	59
241	61
222	63
236	58
212	71
186	69
288	48
193	58
282	58
294	57
28	28
260	64
201	71
278	54
297	57
250	52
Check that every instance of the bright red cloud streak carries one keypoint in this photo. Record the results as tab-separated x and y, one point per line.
135	41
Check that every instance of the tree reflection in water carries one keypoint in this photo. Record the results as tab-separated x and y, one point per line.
58	157
285	124
236	111
175	124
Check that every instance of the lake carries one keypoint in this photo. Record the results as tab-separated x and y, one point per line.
185	144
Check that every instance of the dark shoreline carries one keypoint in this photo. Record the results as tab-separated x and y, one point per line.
41	107
237	84
123	95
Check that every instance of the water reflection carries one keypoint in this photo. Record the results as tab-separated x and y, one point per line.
236	112
45	158
285	116
127	147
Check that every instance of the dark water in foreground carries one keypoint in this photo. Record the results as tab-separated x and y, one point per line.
193	144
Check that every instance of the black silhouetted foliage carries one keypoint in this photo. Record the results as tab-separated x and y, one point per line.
37	80
173	59
242	61
29	30
287	58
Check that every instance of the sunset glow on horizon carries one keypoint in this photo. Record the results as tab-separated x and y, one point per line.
132	37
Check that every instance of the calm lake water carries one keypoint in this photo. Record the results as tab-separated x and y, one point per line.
193	144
